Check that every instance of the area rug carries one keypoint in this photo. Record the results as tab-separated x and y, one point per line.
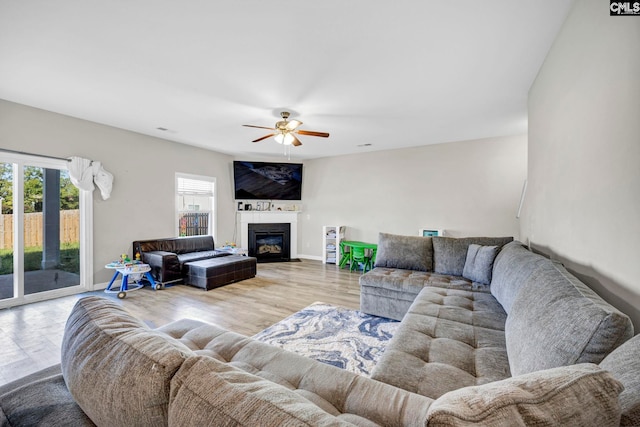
337	336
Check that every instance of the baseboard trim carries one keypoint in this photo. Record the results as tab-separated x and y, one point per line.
311	257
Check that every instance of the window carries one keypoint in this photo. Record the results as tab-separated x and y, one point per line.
195	205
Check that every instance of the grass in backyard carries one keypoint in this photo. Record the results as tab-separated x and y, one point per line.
69	259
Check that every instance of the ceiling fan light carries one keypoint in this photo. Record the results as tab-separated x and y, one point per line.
284	138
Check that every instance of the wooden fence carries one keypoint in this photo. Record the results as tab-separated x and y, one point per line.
194	223
33	225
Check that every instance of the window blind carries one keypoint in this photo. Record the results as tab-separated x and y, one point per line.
188	186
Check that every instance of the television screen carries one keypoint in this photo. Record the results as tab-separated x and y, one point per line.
267	181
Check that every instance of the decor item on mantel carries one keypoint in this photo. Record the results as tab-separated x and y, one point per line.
84	173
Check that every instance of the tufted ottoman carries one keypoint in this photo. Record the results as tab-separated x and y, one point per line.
215	272
448	339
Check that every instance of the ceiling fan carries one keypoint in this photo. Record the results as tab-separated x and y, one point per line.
285	130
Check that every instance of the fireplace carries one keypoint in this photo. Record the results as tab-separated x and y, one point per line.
270	242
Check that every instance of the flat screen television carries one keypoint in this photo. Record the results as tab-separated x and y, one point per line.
267	181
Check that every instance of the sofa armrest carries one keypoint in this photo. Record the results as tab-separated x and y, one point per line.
576	395
165	266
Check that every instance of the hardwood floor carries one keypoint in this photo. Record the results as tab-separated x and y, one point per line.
30	335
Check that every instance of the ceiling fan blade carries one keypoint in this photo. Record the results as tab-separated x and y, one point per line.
296	142
312	133
264	137
259	127
292	124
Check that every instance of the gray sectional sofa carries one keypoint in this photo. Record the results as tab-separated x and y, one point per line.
532	347
483	310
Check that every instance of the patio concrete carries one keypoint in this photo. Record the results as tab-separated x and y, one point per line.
39	281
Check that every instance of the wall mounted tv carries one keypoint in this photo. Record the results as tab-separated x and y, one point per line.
267	181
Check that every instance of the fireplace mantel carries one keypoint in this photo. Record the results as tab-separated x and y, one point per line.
267	217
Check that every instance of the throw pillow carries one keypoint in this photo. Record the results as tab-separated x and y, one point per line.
479	263
405	252
576	395
450	253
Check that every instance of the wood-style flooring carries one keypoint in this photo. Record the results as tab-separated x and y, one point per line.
30	335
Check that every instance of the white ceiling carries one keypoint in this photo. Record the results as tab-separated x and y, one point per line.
387	73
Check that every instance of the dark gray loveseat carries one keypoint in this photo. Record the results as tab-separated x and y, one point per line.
168	256
193	260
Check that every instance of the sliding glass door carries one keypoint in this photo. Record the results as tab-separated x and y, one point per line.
6	231
51	230
42	231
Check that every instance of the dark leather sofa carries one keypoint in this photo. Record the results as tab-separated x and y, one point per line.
167	257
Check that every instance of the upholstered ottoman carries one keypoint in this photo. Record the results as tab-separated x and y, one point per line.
214	272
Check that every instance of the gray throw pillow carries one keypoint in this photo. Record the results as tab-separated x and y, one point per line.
450	253
405	252
479	263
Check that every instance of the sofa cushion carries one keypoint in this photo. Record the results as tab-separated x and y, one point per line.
512	269
578	395
200	255
343	394
450	254
206	391
556	320
448	339
389	292
116	368
479	263
41	398
406	252
624	364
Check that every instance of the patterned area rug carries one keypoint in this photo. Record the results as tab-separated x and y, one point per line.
337	336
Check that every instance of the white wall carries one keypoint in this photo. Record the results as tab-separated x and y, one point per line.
467	188
143	198
583	199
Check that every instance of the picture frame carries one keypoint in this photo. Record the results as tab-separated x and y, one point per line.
430	232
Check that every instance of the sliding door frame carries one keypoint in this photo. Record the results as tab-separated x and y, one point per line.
19	161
